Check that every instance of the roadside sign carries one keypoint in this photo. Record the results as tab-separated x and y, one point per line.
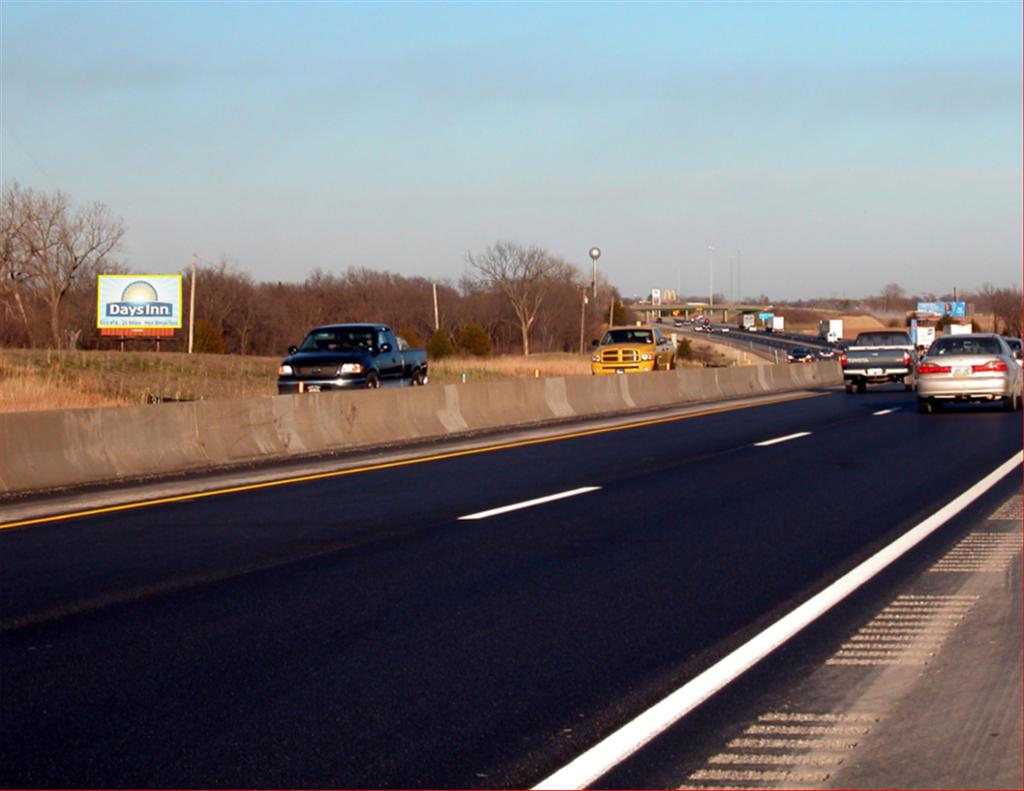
138	302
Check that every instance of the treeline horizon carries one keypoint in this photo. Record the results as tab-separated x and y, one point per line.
523	298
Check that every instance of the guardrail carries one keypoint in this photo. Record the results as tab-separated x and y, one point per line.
57	449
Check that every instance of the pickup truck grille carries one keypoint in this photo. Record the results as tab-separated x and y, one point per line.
317	370
619	356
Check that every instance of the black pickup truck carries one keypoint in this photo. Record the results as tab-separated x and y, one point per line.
344	356
879	357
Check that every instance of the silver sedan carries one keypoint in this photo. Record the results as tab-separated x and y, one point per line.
975	367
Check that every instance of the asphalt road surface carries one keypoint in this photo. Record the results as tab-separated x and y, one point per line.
361	631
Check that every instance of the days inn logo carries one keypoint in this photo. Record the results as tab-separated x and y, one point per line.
139	299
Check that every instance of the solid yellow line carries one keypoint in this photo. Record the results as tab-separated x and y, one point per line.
391	464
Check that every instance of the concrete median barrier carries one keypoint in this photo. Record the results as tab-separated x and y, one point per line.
51	450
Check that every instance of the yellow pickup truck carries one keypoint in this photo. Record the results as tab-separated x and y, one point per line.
629	350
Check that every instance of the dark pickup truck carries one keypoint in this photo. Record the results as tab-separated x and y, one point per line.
344	356
879	357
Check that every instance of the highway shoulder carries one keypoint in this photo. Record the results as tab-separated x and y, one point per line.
922	691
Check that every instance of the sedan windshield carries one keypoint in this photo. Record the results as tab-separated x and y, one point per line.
342	340
954	345
627	336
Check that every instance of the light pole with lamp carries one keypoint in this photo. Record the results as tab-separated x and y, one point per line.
711	276
595	253
583	314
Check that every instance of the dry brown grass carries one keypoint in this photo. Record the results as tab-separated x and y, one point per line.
32	379
26	390
451	369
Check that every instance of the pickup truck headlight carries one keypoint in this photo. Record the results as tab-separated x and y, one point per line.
285	370
595	358
646	357
351	368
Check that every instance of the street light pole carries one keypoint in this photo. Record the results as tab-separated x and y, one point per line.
711	276
595	253
583	314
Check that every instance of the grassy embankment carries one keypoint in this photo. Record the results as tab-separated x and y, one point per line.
32	379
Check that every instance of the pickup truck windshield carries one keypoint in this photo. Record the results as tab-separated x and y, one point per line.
344	340
883	339
627	336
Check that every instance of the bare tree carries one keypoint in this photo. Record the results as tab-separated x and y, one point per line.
522	274
14	254
1005	306
51	245
893	294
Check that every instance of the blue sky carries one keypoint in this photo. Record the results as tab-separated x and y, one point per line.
837	146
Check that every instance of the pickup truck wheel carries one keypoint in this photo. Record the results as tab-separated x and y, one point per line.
372	381
418	379
862	386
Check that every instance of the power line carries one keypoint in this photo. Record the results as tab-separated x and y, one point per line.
7	129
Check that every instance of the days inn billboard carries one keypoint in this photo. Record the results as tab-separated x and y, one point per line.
138	302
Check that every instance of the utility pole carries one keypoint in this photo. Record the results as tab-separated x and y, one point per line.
192	305
437	319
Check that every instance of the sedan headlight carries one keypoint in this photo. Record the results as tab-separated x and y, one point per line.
285	370
351	368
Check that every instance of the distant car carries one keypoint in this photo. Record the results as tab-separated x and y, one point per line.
799	354
974	367
827	354
1017	348
677	323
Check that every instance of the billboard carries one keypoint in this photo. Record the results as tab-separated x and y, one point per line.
957	310
655	296
138	302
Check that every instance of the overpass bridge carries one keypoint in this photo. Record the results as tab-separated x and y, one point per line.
725	313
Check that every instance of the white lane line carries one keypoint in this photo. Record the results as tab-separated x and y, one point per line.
530	503
881	412
617	747
786	438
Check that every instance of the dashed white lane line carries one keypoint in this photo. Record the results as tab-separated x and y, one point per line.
777	440
881	412
530	503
